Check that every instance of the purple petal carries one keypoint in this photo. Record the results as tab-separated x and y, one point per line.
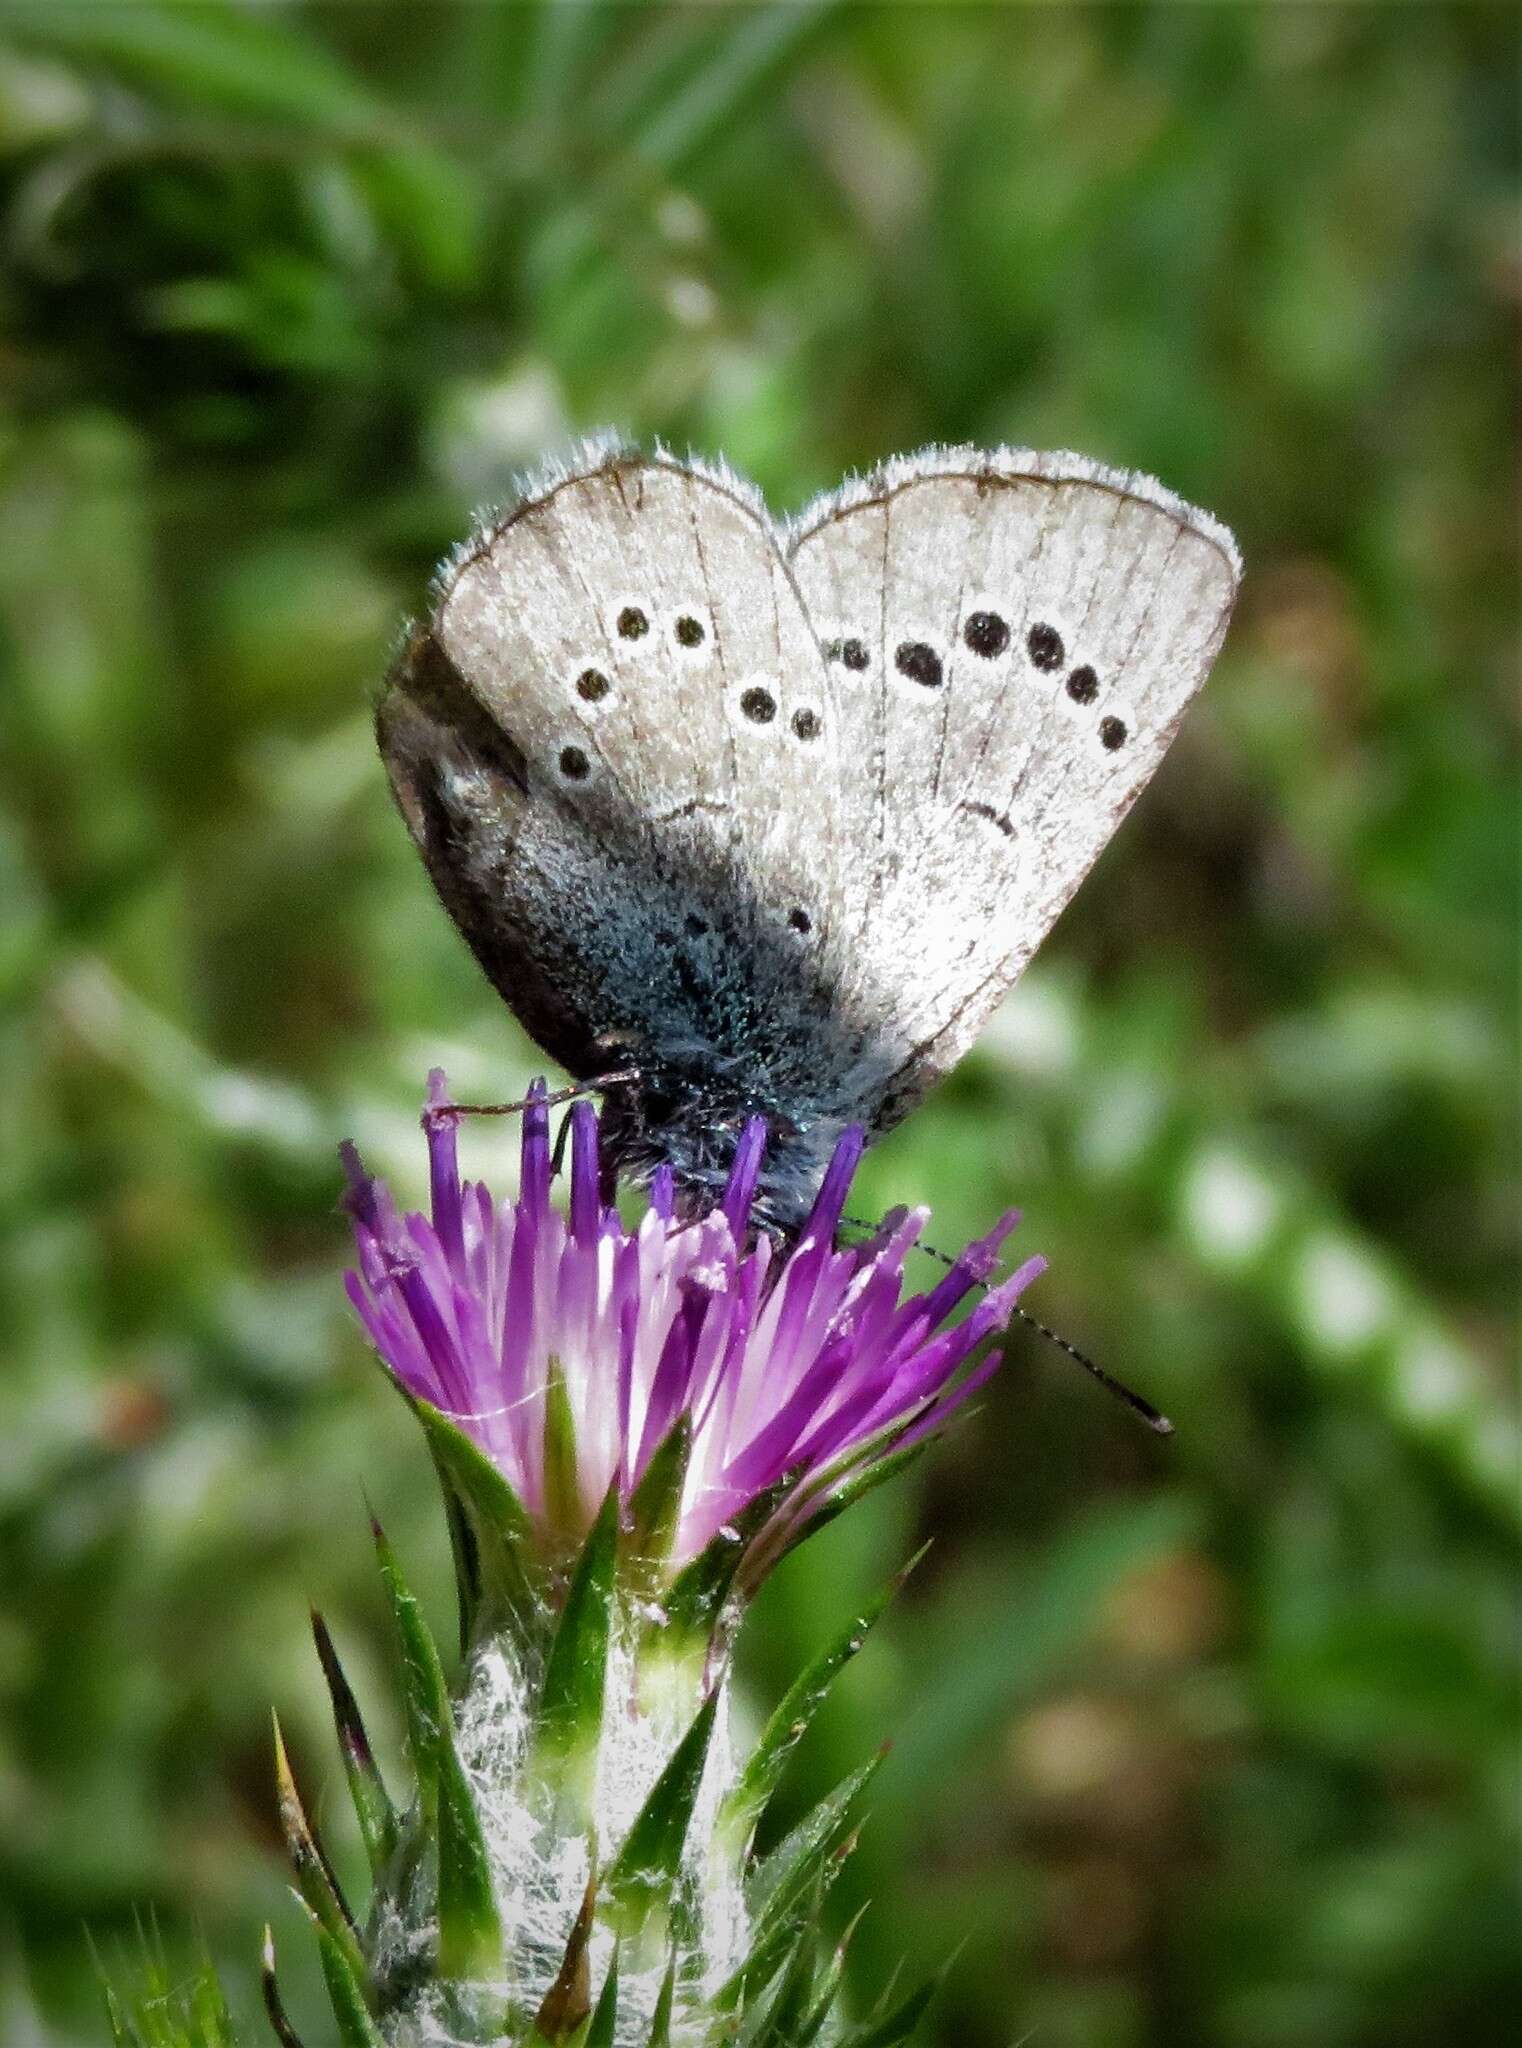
586	1207
744	1175
534	1175
443	1167
796	1362
974	1265
829	1204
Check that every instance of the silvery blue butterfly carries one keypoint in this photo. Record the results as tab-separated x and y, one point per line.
771	813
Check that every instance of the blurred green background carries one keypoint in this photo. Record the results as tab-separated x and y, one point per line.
1211	1741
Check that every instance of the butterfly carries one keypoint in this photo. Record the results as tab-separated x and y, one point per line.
768	815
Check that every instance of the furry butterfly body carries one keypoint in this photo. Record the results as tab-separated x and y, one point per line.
774	814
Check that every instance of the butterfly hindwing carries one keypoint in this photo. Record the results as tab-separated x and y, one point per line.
1013	639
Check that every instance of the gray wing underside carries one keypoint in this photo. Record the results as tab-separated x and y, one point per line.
658	872
980	801
873	857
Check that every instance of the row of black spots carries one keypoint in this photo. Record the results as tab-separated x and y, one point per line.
985	634
851	654
758	704
1082	686
915	659
633	623
1044	646
988	634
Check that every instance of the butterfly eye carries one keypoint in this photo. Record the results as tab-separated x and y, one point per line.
758	704
1083	685
632	623
806	724
689	631
1113	733
574	765
592	686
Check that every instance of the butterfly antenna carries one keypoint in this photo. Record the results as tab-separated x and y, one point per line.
1137	1403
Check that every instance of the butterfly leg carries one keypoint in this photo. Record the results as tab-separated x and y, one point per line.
552	1100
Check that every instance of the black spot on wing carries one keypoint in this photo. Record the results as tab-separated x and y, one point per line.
1044	646
919	662
986	634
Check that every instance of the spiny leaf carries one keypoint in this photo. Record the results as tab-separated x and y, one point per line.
814	2020
696	1597
820	1499
660	2024
274	2006
425	1695
824	1826
656	1504
315	1878
356	2029
575	1672
470	1924
894	2027
813	1855
489	1528
123	2033
569	1999
372	1804
644	1872
470	1927
787	1726
211	2022
605	2019
782	2025
162	2007
818	2016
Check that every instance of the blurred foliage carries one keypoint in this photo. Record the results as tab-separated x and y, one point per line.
1205	1741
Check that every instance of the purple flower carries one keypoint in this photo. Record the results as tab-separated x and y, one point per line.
796	1364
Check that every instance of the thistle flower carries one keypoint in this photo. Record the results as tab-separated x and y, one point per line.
630	1424
570	1347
